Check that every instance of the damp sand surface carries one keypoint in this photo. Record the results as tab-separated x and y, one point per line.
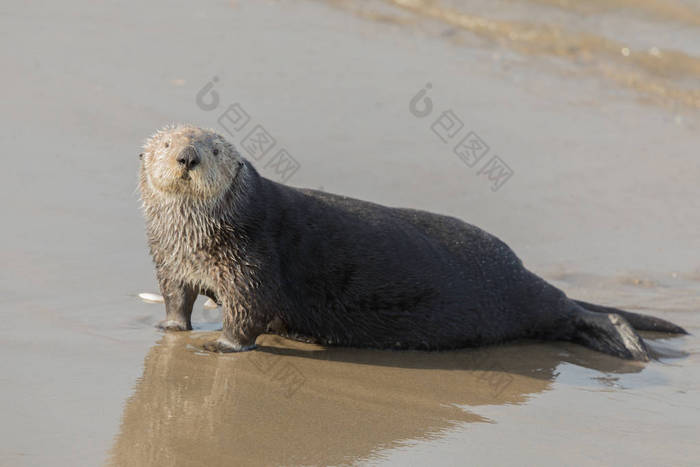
593	108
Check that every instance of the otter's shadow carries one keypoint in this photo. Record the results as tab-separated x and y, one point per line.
295	403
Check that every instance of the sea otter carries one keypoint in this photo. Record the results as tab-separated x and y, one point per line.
342	271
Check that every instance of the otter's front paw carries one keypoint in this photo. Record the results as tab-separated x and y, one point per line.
172	325
223	345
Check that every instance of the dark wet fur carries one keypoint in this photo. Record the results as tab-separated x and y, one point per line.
347	272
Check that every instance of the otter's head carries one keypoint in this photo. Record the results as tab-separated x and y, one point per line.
188	162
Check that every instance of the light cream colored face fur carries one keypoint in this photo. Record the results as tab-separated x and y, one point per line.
163	174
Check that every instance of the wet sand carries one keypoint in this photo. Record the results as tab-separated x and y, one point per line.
603	202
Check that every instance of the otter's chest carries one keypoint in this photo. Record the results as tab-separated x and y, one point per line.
201	269
191	246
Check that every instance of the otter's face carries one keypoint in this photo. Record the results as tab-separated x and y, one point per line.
188	161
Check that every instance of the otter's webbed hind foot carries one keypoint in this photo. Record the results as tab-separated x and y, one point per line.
609	333
223	345
638	321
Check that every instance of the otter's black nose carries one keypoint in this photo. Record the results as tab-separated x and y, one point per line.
188	157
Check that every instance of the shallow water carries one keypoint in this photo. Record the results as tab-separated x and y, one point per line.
603	202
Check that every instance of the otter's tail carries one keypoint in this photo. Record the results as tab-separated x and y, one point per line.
608	333
637	321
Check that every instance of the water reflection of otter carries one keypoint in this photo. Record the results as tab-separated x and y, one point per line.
345	404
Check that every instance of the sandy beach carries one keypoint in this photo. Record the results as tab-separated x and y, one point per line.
591	113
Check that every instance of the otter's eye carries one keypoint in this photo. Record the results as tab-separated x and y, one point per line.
167	145
216	152
141	156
